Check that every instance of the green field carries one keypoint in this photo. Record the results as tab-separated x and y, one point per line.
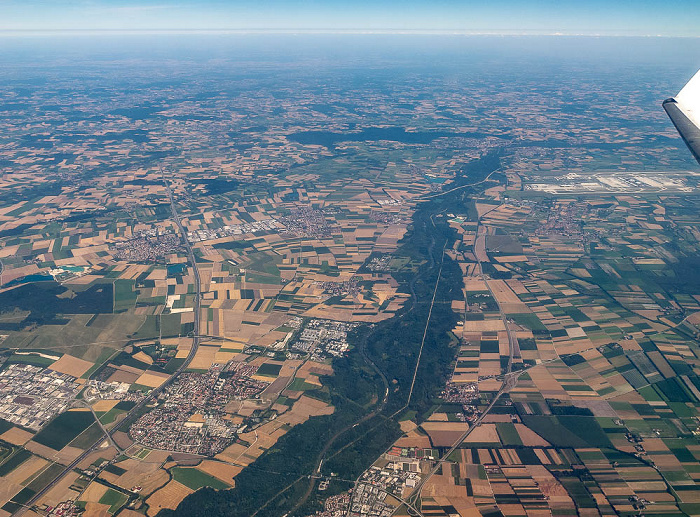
45	477
149	329
114	499
5	451
105	354
124	295
76	338
33	359
586	428
111	415
568	431
530	321
174	364
13	461
263	264
196	479
301	385
64	428
5	425
578	492
269	370
508	434
549	428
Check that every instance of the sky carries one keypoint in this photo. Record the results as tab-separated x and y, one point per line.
589	17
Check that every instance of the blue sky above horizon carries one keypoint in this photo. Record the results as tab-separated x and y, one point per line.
604	17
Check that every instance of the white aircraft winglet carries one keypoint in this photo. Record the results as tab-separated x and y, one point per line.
684	111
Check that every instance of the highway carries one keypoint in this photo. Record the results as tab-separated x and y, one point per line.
510	379
153	395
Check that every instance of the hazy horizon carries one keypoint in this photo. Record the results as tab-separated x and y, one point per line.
677	18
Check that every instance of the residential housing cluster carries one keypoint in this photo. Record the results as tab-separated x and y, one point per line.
146	247
190	416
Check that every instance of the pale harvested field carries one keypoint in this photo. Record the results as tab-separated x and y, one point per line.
484	457
316	368
106	453
267	436
85	279
517	286
465	507
131	369
224	357
483	208
694	318
438	487
143	357
465	377
407	425
71	365
235	452
67	454
204	357
104	405
529	437
313	379
413	439
515	308
130	513
305	408
93	492
651	486
484	326
123	376
96	510
61	491
41	450
342	313
288	367
485	433
10	484
511	258
146	473
269	339
492	418
152	379
222	471
167	497
444	434
158	274
26	470
480	248
16	436
502	292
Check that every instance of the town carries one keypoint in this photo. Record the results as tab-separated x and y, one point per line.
190	417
